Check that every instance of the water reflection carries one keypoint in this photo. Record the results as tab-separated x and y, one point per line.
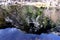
16	34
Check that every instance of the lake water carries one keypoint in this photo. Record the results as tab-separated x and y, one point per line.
16	34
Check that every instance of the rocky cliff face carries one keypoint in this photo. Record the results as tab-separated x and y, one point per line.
52	13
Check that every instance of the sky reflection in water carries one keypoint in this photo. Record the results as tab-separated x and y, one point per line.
15	34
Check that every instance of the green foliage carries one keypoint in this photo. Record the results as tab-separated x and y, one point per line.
26	14
32	13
